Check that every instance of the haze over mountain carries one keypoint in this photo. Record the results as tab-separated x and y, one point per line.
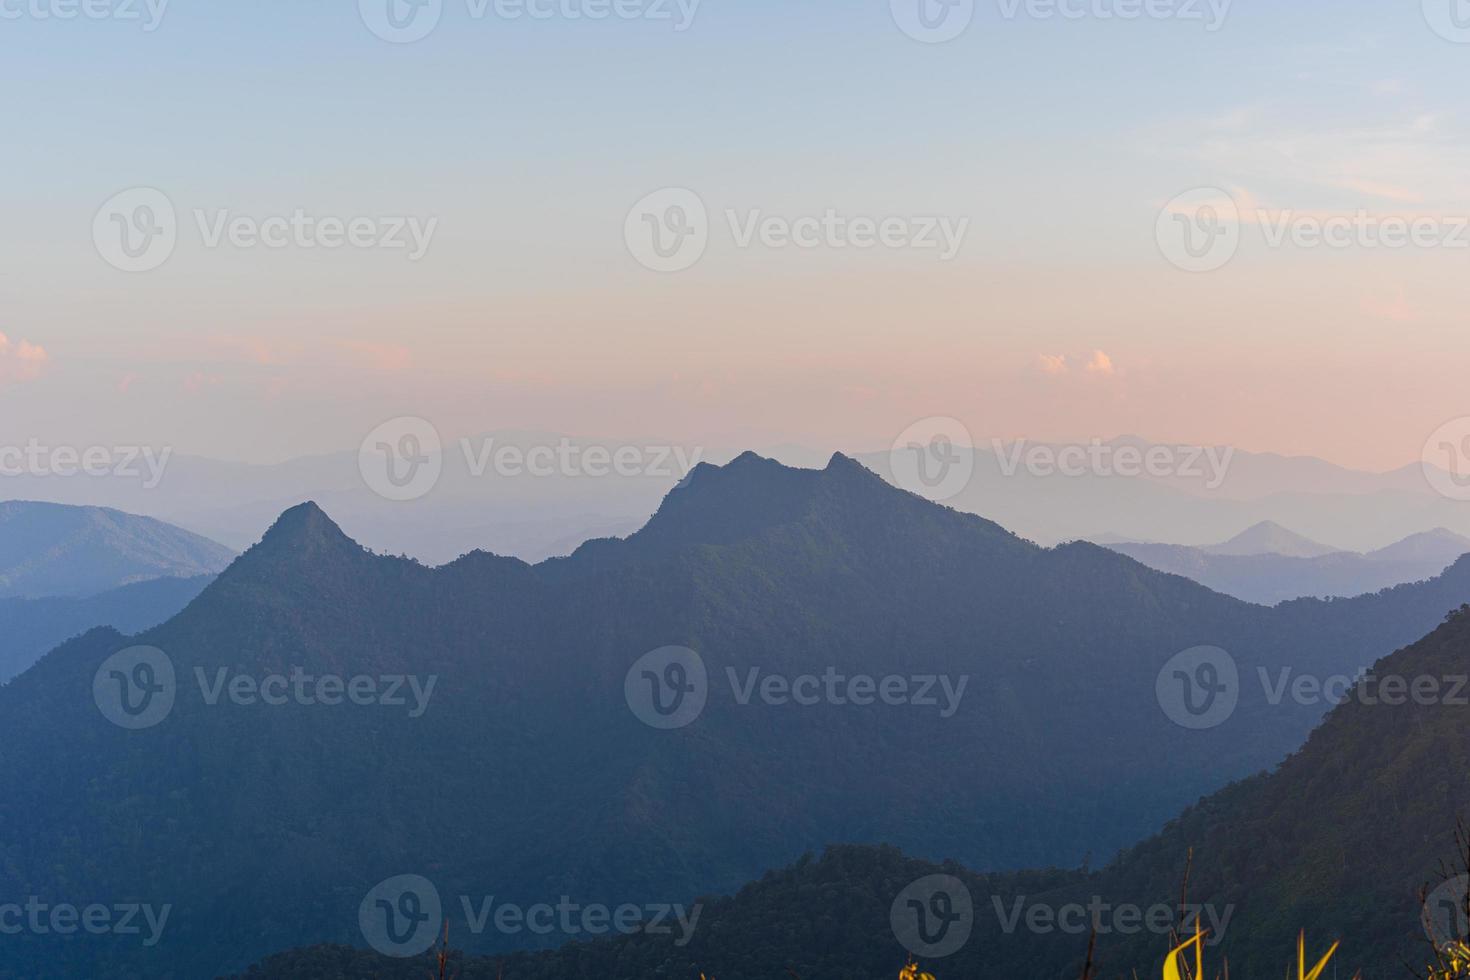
526	775
1270	538
1340	840
1270	564
31	627
474	504
54	550
1206	495
1437	545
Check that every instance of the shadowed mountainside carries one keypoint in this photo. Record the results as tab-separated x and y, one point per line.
1338	840
30	627
527	775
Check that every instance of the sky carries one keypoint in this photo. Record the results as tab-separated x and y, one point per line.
1064	147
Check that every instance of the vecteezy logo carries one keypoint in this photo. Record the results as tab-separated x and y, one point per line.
1199	231
933	458
401	21
1449	18
933	21
401	916
667	688
402	458
135	688
1445	913
668	230
1199	688
933	917
136	230
1446	459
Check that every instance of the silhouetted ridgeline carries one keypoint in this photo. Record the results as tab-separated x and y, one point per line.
525	775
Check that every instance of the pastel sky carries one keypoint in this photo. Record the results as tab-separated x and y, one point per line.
1060	139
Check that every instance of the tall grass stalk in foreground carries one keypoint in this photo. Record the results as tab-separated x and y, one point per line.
1451	954
441	959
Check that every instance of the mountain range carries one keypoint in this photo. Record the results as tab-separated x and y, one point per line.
50	549
1205	494
1032	715
1269	564
1344	841
1208	493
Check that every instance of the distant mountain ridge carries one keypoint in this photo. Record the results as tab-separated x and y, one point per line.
1342	507
31	627
58	550
538	517
1270	538
1430	546
1269	564
531	775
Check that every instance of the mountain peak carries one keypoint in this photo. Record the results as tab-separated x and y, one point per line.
751	493
843	465
301	536
1440	544
1270	538
304	520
